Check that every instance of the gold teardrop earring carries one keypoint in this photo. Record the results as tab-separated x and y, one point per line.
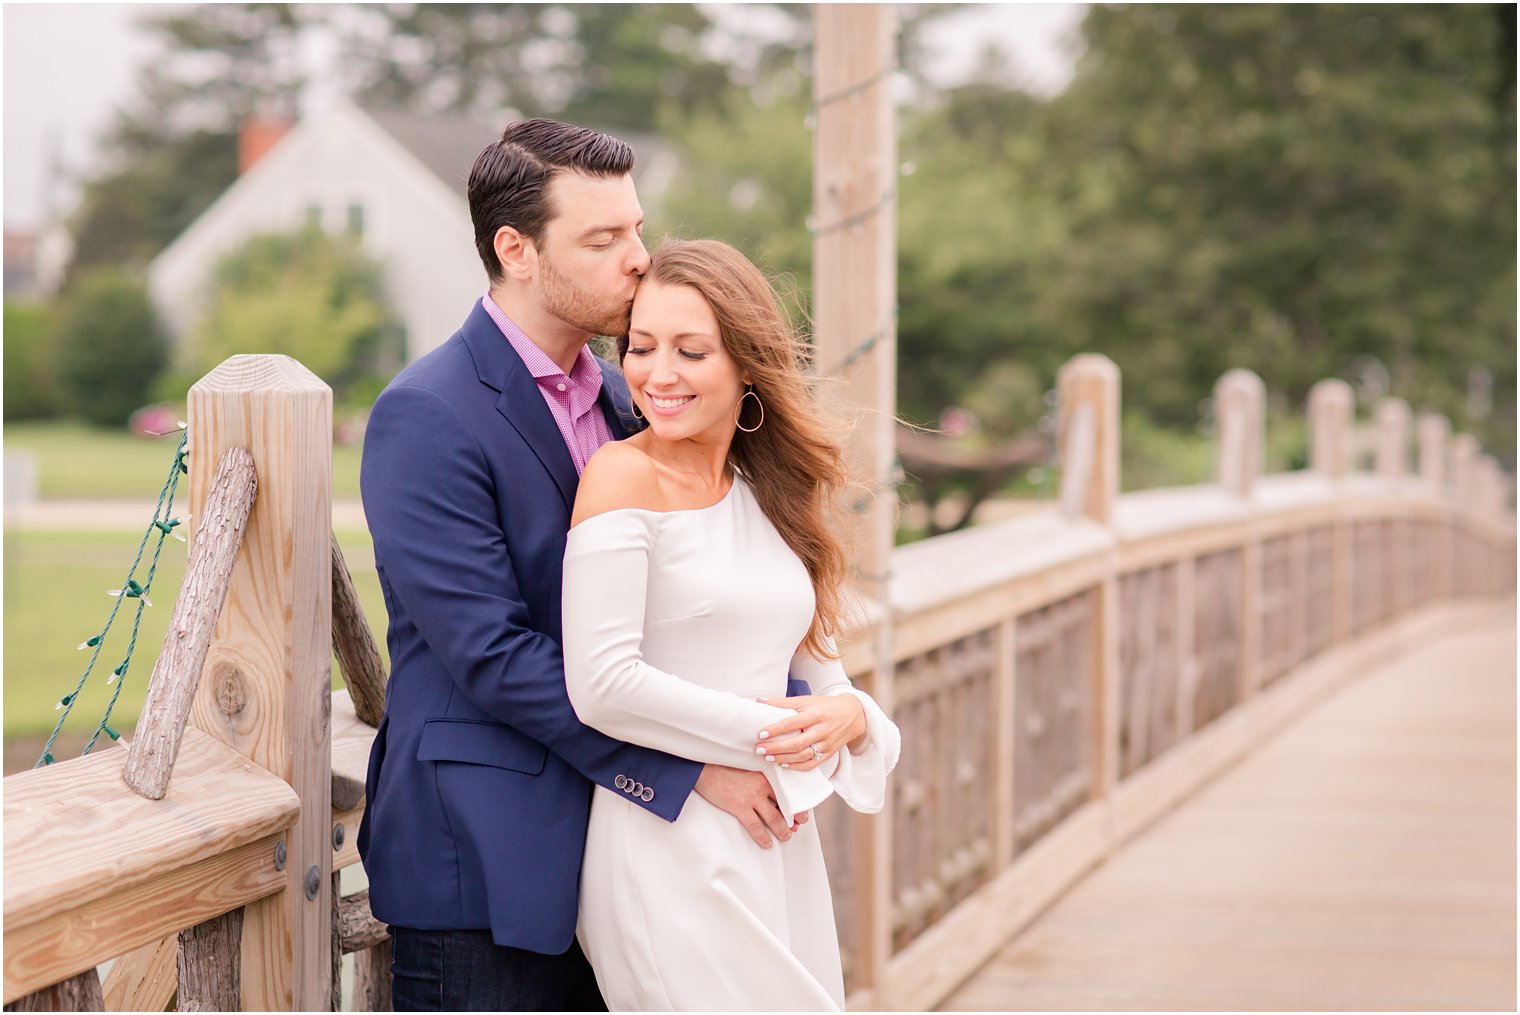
749	392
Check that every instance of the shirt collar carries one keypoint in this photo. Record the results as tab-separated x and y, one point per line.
585	372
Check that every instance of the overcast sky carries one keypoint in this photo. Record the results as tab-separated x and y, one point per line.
67	67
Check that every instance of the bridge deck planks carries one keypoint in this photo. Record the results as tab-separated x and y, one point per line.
1364	860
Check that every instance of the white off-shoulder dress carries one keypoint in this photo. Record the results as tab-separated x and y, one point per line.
674	623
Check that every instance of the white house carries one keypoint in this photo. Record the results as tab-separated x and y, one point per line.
398	179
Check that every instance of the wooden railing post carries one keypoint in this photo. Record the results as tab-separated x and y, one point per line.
1240	413
854	314
1434	433
1330	406
1089	437
1393	438
1434	437
1330	409
266	685
1464	459
1089	445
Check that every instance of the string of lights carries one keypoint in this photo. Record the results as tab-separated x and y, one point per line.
164	524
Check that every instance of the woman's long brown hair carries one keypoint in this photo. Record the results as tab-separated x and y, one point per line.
796	470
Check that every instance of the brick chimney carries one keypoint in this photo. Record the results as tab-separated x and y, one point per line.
259	133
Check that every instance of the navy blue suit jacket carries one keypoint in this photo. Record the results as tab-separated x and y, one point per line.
480	779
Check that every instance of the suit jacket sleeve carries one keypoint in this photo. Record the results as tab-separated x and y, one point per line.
430	500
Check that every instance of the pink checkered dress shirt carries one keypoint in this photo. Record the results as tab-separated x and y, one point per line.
572	399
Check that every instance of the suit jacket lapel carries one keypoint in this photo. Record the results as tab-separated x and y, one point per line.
616	405
520	401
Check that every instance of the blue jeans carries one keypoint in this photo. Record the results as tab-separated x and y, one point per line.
464	970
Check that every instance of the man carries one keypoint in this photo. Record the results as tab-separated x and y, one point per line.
480	780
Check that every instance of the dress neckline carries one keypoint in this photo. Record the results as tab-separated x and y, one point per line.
728	496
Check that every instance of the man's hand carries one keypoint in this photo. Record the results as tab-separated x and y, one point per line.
747	796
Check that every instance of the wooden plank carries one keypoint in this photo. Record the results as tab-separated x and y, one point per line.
74	833
68	941
144	979
347	854
1155	551
945	954
352	739
919	632
210	964
266	687
1361	860
1005	727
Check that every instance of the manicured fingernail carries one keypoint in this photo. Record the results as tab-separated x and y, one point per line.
759	750
770	757
784	764
764	735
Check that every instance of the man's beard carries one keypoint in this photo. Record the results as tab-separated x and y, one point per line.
580	307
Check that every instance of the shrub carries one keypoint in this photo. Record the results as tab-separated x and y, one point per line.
31	381
111	347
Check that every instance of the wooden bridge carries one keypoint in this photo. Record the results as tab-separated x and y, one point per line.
1062	682
1362	860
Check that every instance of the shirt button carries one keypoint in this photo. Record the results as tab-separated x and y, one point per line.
560	387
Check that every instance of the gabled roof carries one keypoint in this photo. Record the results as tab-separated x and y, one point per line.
446	143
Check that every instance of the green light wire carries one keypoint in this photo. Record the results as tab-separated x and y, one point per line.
129	590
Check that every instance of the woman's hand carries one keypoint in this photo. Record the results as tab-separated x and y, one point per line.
822	725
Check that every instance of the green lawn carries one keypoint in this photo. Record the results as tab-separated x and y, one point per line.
55	598
75	460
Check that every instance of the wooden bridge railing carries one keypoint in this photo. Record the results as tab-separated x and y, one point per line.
1061	680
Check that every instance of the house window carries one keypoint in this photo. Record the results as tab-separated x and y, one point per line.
356	219
313	216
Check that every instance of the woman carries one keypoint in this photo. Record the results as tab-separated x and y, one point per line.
700	569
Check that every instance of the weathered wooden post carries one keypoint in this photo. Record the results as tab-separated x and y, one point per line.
1391	433
1488	499
177	673
1240	414
1434	433
1089	452
1393	418
855	319
1434	438
1464	456
266	681
1330	408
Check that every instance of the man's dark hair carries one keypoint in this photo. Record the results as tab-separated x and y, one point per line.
509	180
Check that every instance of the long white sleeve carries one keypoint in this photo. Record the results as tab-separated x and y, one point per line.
614	690
860	779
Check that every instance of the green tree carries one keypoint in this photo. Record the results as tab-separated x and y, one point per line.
307	295
610	65
1292	189
173	149
111	346
31	383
